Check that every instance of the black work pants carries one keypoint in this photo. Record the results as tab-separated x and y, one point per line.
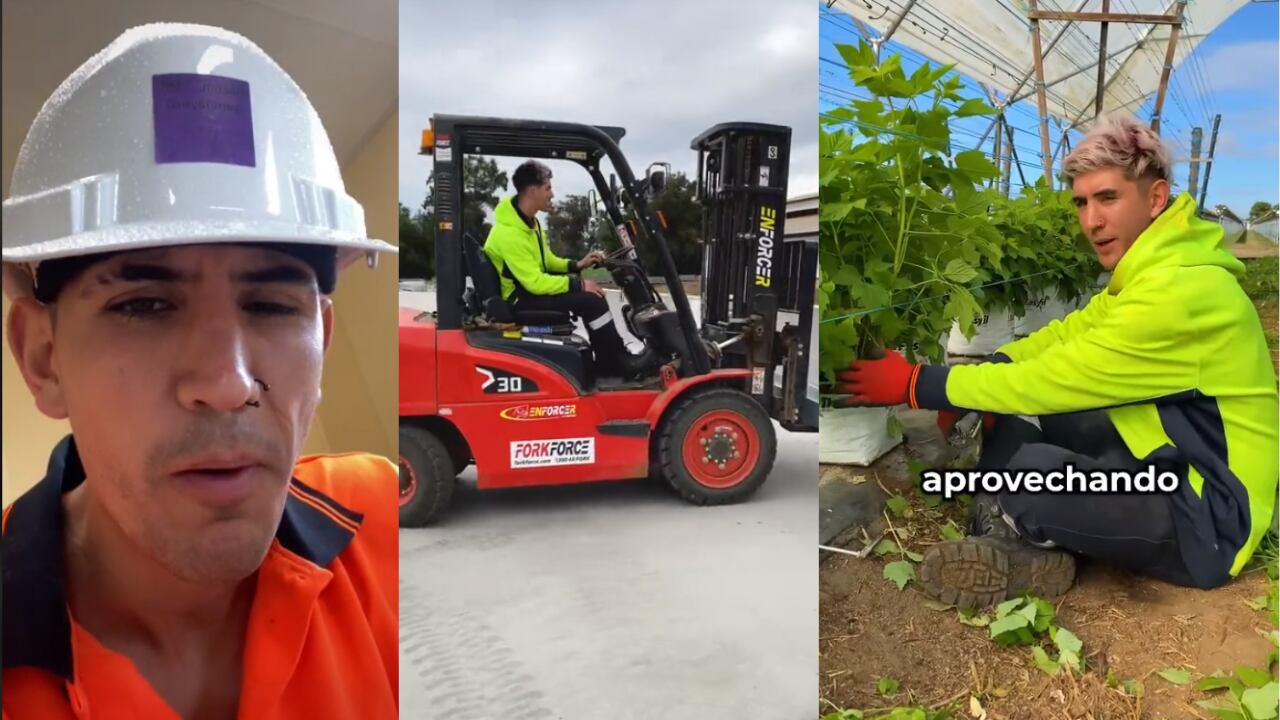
1132	530
606	343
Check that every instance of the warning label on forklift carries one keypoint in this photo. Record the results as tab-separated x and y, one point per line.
560	451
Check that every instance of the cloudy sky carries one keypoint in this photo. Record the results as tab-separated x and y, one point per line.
663	69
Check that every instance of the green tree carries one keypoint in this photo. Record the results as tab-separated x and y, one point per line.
1261	209
417	246
679	205
482	183
569	227
572	231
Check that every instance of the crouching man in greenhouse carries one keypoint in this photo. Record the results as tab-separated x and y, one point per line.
1167	368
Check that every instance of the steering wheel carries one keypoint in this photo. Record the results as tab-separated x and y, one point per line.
622	250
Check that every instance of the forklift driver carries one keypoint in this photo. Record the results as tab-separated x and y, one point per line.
534	278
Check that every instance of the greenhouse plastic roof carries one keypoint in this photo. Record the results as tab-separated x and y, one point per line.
990	41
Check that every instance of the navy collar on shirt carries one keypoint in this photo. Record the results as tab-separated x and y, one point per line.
36	621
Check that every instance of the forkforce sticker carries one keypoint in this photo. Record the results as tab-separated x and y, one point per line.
764	247
540	412
495	381
558	451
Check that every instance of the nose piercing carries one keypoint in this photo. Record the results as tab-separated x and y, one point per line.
265	388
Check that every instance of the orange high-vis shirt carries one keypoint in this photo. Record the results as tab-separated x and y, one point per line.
322	634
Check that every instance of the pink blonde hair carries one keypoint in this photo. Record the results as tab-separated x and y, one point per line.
1120	141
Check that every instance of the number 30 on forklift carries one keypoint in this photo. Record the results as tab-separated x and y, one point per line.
518	396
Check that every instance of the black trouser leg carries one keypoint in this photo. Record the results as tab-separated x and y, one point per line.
1134	531
594	311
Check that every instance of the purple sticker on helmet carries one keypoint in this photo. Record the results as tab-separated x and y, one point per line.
202	118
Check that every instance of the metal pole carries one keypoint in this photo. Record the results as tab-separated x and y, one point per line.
1007	170
893	27
1063	31
997	145
1062	142
1013	150
1079	69
1168	67
1102	60
1208	163
1134	18
1195	162
1038	56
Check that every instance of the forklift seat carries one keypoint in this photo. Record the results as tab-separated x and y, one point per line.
489	291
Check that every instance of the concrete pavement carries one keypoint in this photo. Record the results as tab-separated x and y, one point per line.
614	600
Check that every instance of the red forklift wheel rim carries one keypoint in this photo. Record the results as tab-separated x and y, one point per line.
721	425
407	491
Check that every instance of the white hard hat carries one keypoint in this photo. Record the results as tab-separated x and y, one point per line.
177	135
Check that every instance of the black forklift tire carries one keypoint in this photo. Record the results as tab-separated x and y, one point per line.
742	435
431	478
460	456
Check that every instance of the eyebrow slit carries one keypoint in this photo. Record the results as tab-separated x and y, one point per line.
140	272
287	274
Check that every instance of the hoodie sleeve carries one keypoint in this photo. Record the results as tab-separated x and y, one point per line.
1144	349
522	260
555	263
1055	333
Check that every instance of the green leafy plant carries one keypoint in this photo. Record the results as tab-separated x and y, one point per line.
1175	675
910	240
1251	692
900	572
1262	278
888	686
1132	688
1044	252
1021	621
896	207
1028	620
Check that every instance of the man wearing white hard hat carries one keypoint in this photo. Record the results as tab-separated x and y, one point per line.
175	228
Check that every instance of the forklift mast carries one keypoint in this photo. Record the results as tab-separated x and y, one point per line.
751	272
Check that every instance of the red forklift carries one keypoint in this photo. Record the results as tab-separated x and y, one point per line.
516	393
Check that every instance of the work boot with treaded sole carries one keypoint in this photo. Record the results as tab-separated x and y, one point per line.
987	518
978	572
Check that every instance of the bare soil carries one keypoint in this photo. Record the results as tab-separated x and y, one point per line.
1130	626
1247	251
